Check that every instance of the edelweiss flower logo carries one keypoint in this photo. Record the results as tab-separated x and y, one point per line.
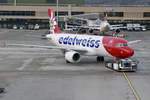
51	24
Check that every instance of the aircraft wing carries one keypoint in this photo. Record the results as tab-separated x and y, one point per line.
48	47
133	42
86	27
91	27
34	46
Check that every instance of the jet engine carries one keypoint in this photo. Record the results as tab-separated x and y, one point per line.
72	56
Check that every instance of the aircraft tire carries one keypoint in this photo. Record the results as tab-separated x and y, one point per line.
68	61
100	59
63	52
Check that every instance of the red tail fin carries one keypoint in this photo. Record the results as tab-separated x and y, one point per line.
52	22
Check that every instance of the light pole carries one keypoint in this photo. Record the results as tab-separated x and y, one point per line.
15	2
57	9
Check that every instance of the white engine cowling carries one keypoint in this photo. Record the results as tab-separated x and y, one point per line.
72	56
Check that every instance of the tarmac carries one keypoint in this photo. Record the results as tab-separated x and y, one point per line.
42	74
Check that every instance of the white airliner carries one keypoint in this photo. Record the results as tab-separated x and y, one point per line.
100	24
75	45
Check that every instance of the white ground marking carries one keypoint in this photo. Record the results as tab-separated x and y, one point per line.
4	31
26	62
68	68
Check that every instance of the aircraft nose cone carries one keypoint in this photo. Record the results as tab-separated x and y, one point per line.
127	52
131	52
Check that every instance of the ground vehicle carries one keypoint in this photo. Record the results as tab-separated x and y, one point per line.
30	27
135	27
15	27
118	26
143	28
122	64
36	27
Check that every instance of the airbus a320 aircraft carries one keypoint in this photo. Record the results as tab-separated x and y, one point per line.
100	24
75	45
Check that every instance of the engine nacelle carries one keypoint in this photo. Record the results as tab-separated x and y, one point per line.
72	56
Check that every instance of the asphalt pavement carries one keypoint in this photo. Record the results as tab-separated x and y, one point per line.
43	74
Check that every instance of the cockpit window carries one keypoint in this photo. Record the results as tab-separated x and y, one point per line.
121	45
125	44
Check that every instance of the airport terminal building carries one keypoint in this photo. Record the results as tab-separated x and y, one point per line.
25	14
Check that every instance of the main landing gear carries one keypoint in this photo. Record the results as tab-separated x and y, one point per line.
100	59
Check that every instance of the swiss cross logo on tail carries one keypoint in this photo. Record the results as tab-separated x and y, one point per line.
52	22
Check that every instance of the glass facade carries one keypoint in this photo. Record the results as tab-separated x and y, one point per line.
17	13
114	14
65	13
146	14
62	13
3	1
76	13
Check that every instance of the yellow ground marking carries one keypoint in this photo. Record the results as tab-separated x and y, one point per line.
135	93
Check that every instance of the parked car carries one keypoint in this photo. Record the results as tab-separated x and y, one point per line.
21	27
137	28
36	27
30	27
143	28
15	27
